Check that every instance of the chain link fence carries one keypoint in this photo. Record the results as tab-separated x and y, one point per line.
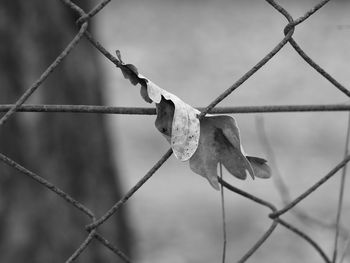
275	213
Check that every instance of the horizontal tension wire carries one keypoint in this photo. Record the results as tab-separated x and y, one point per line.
152	111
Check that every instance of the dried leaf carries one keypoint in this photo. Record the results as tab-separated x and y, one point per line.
178	122
183	133
205	143
261	169
219	141
119	55
144	94
130	72
164	120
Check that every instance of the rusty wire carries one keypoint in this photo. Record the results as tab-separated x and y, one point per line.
152	111
275	214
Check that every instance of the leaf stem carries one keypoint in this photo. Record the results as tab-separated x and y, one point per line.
223	217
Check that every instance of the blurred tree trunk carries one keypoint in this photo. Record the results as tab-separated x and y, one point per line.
71	150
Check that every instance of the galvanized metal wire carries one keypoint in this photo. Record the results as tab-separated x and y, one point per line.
275	213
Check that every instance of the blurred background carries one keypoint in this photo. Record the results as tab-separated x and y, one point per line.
196	49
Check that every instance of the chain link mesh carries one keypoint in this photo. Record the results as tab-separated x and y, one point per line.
275	214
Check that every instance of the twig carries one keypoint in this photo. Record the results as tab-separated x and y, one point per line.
341	195
345	250
223	217
277	178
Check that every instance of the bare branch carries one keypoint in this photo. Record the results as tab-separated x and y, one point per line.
341	195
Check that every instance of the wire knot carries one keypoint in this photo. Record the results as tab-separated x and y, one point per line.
82	19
